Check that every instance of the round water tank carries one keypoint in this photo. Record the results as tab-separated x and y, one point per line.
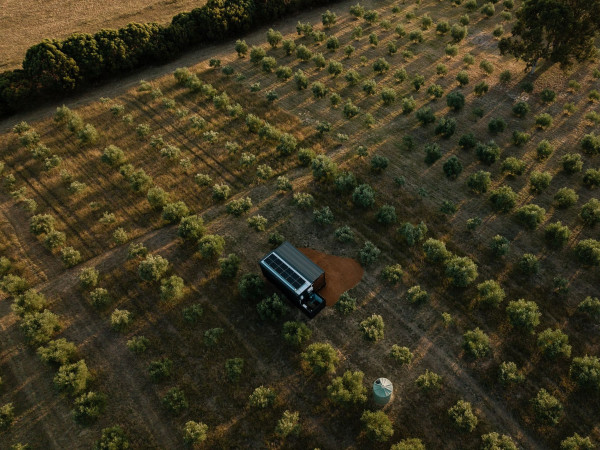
382	391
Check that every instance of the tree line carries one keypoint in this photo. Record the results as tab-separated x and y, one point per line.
53	67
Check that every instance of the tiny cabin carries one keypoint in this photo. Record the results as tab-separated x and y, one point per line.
296	276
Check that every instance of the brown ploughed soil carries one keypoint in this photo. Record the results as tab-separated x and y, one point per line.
341	274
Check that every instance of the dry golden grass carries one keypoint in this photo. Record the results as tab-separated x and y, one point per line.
200	370
25	23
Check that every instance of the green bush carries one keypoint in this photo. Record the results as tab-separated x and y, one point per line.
548	95
321	358
72	378
174	401
520	109
425	116
508	373
262	397
28	302
39	327
153	268
411	234
557	234
288	424
458	32
401	355
41	224
487	153
452	167
113	438
547	408
590	212
445	127
588	252
88	407
160	369
480	89
435	251
409	443
191	228
523	314
479	182
234	368
496	125
461	271
503	199
194	433
113	156
100	298
553	343
59	351
211	246
572	163
577	442
138	344
461	414
271	308
346	304
363	196
172	288
69	256
212	336
416	295
348	389
251	286
368	254
476	343
543	121
495	441
372	328
323	168
512	166
296	334
585	371
455	100
591	178
490	294
378	427
429	381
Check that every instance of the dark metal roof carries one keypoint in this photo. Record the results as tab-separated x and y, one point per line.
298	261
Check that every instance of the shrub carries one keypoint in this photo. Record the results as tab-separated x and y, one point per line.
171	288
490	294
503	199
480	89
321	358
345	304
435	251
379	163
377	426
512	166
553	343
212	336
191	228
557	234
288	424
539	181
211	245
408	105
153	268
411	234
323	168
88	134
372	328
113	156
496	126
113	438
59	351
429	381
368	254
590	212
458	32
138	344
565	197
585	371
495	441
452	167
461	414
590	144
520	109
463	79
334	68
425	115
523	314
70	257
548	95
320	62
547	408
386	215
160	369
388	96
88	407
418	81
461	271
508	373
41	223
251	286
296	334
577	442
588	252
455	100
479	182
451	50
476	343
72	378
543	121
100	298
544	149
572	163
348	389
591	178
344	234
529	264
234	368
486	66
345	182
446	127
120	319
416	295
363	196
157	197
262	397
194	433
174	401
409	444
40	326
271	308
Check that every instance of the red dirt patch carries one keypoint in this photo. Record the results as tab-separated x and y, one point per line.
341	274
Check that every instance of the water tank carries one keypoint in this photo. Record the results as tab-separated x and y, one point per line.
382	391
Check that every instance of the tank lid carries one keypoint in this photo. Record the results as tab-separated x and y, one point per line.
383	387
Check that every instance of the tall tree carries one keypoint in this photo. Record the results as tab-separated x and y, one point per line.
558	31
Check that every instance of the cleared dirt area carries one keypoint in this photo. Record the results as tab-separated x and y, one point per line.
25	23
341	274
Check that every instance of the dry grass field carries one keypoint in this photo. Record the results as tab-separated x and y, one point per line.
210	144
25	23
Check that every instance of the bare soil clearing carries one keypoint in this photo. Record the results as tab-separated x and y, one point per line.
24	23
341	274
